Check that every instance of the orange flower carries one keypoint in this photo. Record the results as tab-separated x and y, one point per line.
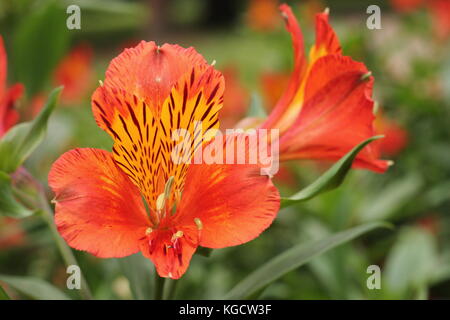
395	137
150	91
8	96
327	108
235	100
440	11
262	14
74	72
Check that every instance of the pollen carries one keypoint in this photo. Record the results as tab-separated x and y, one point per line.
198	223
177	235
148	231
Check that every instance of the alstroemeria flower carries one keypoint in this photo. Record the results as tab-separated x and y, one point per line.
8	96
150	91
74	72
262	14
395	136
327	108
236	98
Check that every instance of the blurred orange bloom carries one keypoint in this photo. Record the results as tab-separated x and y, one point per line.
8	96
235	99
148	92
440	11
326	108
395	137
262	15
75	73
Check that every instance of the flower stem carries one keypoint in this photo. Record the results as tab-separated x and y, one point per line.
171	288
159	287
66	252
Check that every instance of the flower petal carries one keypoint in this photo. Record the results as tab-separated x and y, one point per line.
144	142
233	202
169	254
98	209
149	71
327	41
285	106
8	115
337	115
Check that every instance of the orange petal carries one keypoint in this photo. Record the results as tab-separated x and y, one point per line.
230	204
336	116
171	254
143	138
149	71
326	40
8	115
275	120
98	209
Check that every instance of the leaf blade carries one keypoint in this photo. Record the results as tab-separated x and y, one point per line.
8	204
331	179
294	258
34	288
19	142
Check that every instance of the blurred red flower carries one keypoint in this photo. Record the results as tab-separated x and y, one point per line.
148	92
235	99
326	108
75	73
440	12
395	137
8	96
262	15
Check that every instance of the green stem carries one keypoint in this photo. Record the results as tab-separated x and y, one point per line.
159	287
171	289
66	252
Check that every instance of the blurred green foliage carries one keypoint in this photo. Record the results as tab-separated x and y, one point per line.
412	72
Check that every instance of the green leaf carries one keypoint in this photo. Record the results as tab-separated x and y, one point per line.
34	288
18	143
294	258
8	204
384	204
39	43
3	294
331	179
412	262
139	272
